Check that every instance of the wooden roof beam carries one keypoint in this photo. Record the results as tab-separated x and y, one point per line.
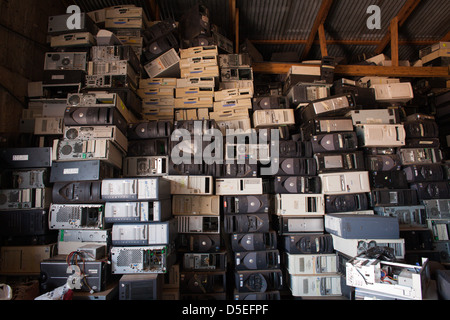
320	20
359	70
402	16
350	42
154	10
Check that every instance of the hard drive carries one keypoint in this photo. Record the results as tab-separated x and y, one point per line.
246	204
344	141
257	260
246	223
308	243
241	242
352	226
393	197
258	280
77	192
346	202
297	184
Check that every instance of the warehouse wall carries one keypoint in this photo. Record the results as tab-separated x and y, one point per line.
23	35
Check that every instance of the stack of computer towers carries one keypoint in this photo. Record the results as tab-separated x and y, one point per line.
255	268
203	260
128	23
199	73
148	149
25	194
428	177
158	98
143	231
329	140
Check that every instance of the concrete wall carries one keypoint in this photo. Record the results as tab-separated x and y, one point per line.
23	38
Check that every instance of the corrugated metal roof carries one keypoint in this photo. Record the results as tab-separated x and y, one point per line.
293	20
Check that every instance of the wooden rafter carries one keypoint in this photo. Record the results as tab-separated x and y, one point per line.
154	10
394	42
320	19
446	38
350	42
323	41
402	16
359	70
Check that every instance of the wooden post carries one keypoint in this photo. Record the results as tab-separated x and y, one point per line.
320	19
323	41
394	42
237	31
